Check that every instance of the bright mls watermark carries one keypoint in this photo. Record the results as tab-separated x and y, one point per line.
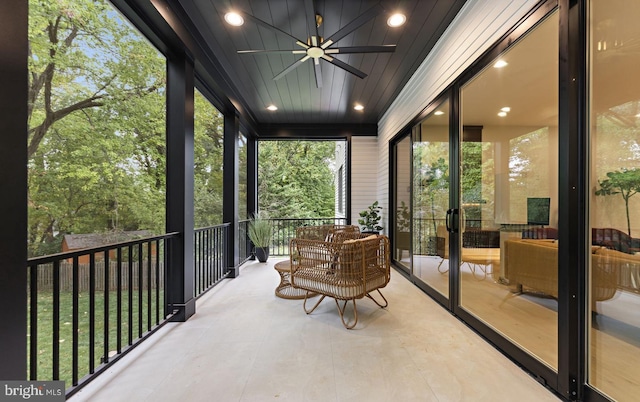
41	391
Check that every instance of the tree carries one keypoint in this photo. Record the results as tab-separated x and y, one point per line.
208	152
295	178
434	180
625	182
96	124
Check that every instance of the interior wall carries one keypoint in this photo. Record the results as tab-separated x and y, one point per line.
504	198
478	25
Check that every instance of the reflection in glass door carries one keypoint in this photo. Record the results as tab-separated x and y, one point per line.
431	199
509	194
614	290
402	202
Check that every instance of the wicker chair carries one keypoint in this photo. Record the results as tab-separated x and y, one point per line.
343	270
324	232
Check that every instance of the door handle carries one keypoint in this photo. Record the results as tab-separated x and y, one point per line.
451	212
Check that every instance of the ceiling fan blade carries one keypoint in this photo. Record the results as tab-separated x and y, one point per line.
292	67
269	26
353	25
318	72
310	12
260	51
345	66
361	49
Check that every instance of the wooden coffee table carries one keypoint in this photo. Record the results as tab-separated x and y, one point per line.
481	258
284	289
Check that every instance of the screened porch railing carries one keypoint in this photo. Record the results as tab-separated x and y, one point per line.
284	229
209	257
88	308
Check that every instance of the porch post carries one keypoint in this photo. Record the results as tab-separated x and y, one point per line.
230	187
252	175
179	202
13	187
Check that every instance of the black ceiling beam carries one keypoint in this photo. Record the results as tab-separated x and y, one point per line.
315	131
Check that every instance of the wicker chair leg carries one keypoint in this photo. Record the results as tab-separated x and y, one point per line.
341	312
304	305
386	303
445	270
482	268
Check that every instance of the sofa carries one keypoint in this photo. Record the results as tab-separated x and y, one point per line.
615	239
533	264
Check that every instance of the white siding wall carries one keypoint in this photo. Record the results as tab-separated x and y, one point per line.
477	26
365	170
341	153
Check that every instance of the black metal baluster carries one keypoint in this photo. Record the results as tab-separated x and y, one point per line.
119	301
199	270
56	320
76	313
207	256
157	281
196	258
107	289
130	295
216	257
33	322
149	296
140	289
167	278
92	312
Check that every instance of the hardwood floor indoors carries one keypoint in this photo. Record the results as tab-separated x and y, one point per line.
530	320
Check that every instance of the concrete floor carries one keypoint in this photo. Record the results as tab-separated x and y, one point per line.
246	344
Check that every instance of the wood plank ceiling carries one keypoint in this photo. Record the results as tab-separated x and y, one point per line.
298	99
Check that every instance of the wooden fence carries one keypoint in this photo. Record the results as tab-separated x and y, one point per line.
128	275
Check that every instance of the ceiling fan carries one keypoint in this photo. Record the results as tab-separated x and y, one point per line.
318	48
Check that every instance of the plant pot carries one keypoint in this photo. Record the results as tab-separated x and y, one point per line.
262	253
375	232
431	246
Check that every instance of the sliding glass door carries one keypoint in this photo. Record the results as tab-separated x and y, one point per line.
509	194
402	202
614	277
430	201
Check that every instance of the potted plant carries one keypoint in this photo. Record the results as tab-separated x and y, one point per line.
402	218
403	222
370	219
260	233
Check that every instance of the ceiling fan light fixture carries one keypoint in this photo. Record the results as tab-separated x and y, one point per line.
396	20
233	18
319	48
273	108
358	107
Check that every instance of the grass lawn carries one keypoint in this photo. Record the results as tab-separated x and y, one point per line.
45	329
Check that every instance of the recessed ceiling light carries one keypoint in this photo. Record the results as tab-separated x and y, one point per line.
396	20
273	108
438	113
500	64
358	107
506	109
502	114
234	19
